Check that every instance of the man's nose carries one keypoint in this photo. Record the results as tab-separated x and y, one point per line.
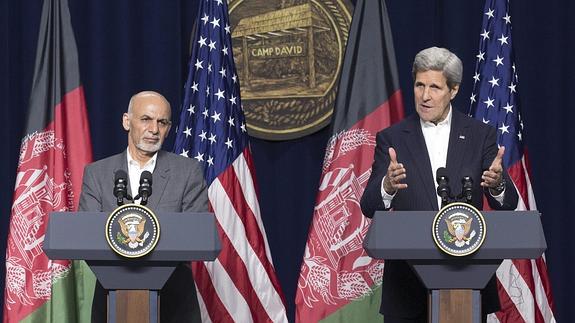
154	126
425	94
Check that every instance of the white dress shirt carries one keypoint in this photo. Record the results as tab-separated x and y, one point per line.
437	142
135	171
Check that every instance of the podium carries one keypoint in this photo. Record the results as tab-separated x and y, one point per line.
133	284
407	235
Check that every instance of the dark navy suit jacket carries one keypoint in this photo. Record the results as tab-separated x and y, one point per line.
472	148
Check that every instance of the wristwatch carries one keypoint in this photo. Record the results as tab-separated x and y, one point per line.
500	187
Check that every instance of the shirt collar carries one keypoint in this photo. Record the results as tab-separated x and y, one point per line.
445	123
150	165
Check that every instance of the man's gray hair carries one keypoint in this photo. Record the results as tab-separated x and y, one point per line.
439	59
146	93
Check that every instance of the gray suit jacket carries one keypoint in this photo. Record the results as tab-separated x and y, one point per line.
177	186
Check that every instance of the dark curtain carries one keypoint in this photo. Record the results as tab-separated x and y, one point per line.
131	45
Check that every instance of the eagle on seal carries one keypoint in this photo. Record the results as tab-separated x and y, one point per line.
132	231
460	230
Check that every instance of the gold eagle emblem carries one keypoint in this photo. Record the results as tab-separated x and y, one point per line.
132	228
459	230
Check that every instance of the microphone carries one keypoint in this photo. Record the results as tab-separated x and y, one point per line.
120	186
145	189
467	189
443	189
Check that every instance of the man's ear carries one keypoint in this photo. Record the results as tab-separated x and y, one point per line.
454	91
126	122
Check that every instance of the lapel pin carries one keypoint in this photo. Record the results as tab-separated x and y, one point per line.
461	137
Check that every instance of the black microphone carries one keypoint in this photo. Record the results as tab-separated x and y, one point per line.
467	189
145	189
443	189
120	186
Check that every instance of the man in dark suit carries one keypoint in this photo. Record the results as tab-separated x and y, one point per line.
407	156
177	185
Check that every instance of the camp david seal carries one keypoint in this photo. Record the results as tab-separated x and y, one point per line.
458	229
132	230
288	55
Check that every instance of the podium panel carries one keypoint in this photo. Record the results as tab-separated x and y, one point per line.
82	236
407	235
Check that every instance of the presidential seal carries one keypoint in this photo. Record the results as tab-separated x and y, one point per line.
132	230
288	55
459	229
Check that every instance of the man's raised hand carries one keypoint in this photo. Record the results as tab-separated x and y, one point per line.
492	177
395	174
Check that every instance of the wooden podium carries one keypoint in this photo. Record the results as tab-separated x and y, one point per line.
454	282
133	284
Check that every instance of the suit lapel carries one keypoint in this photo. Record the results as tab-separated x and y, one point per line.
459	136
415	144
160	179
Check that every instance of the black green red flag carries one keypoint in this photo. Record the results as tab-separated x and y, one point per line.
54	150
338	281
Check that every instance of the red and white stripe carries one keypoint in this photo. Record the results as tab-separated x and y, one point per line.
240	286
524	286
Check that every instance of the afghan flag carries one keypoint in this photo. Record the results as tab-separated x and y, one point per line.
53	153
338	281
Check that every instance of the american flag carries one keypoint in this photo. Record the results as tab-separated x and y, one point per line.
240	285
524	286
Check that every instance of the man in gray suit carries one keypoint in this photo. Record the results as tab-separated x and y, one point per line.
177	185
407	156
